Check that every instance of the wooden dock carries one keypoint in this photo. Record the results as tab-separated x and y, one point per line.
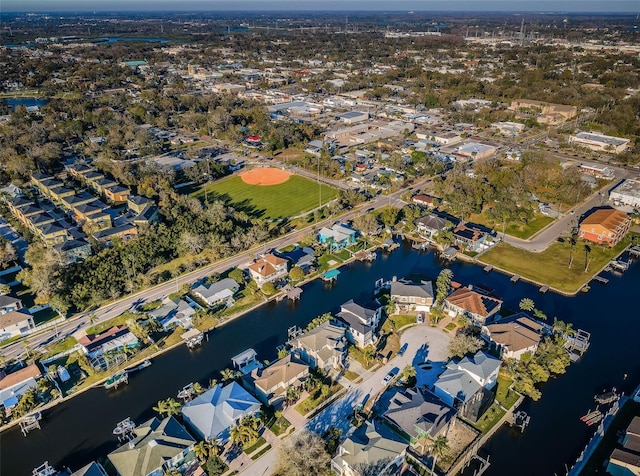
544	289
619	265
577	344
635	251
30	422
515	278
488	268
600	279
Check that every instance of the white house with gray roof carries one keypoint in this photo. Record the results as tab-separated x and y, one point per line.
219	292
322	347
409	296
174	313
464	381
362	321
212	414
372	445
157	447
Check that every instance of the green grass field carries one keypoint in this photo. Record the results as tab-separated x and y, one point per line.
291	198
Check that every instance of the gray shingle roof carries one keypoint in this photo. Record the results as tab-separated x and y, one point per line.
420	290
373	442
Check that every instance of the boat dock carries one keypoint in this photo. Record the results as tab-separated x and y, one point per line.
544	289
520	420
420	246
192	337
389	245
600	279
488	268
331	275
120	377
619	265
30	422
186	393
577	344
143	365
515	278
124	430
592	417
635	251
606	397
293	293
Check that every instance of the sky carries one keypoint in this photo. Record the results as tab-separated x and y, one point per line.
604	6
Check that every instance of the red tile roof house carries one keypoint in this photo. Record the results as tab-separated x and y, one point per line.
605	225
268	269
479	308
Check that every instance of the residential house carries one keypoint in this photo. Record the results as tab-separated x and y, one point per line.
420	414
361	321
513	336
101	184
268	269
138	203
117	194
39	220
322	347
114	339
466	384
86	210
53	233
219	292
212	414
412	297
73	201
122	232
605	225
337	237
16	384
272	382
156	447
478	307
59	193
9	304
79	170
472	237
73	251
625	461
148	216
91	469
423	200
372	445
15	323
304	257
429	226
174	313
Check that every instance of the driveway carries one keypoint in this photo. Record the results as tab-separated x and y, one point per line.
424	343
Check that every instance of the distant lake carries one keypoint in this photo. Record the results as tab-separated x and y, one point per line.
117	38
26	102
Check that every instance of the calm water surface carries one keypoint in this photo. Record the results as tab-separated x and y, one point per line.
79	431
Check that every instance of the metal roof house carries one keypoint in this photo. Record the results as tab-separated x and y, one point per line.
213	413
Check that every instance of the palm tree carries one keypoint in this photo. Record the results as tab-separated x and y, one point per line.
369	353
201	450
161	407
438	448
228	374
197	388
243	434
587	257
527	304
572	244
168	407
408	372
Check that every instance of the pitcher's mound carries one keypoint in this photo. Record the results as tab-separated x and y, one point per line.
264	176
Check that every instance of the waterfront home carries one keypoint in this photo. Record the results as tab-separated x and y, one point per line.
268	269
625	461
246	361
429	226
513	336
411	297
478	307
361	321
174	313
16	384
15	323
372	445
420	414
91	469
466	384
212	414
272	382
605	225
322	347
304	257
116	338
337	237
157	447
219	292
9	304
472	237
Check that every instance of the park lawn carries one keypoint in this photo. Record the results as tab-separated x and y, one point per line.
551	266
504	396
288	199
489	419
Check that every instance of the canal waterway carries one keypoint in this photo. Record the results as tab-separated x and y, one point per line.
25	101
79	430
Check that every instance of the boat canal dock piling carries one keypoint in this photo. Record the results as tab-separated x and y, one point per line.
30	422
365	256
331	275
619	265
544	289
293	293
635	251
606	397
592	417
46	470
419	245
515	278
192	337
488	268
389	245
520	420
577	344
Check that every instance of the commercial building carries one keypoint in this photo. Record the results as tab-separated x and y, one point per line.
627	193
600	142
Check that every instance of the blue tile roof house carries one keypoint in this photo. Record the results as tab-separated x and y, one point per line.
337	237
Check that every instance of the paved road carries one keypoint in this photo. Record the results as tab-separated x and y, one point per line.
424	342
549	235
76	323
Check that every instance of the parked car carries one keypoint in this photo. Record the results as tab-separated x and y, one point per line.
390	375
420	319
403	349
